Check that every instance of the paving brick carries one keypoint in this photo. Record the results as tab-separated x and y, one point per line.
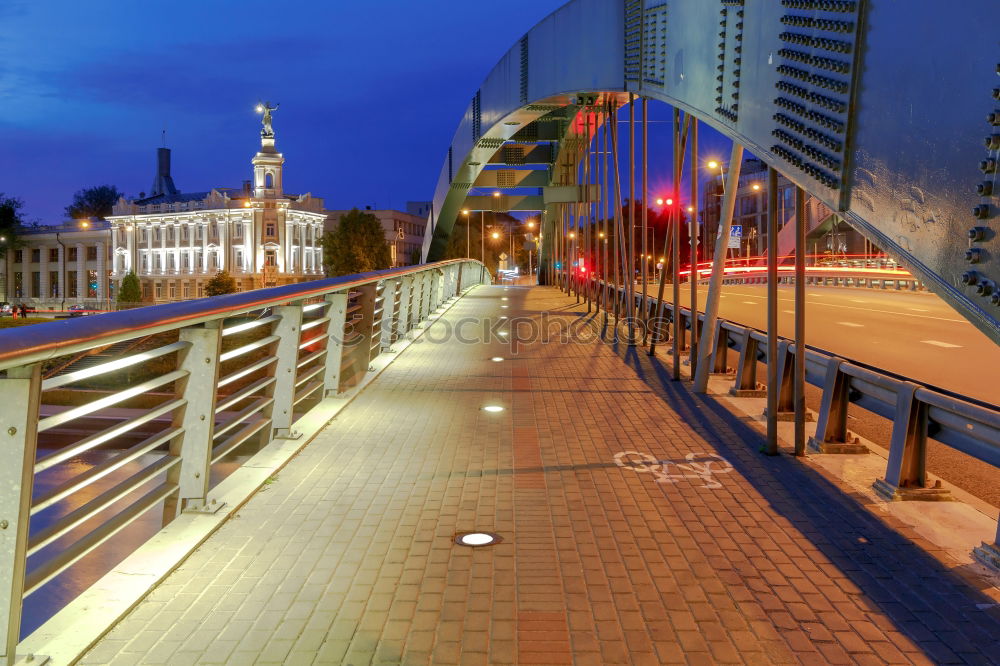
349	557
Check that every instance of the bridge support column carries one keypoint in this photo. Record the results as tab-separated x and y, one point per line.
706	345
289	332
201	361
337	312
19	400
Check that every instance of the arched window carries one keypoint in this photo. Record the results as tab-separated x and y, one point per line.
269	181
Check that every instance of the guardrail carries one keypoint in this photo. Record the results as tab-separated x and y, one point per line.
832	277
220	374
918	411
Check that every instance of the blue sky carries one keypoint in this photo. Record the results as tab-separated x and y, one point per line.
370	93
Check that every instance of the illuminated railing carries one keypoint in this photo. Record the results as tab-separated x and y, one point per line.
213	377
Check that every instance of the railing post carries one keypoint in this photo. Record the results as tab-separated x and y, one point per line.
831	424
746	369
459	279
389	294
337	312
786	397
718	364
198	389
906	471
20	393
436	288
405	305
288	329
989	553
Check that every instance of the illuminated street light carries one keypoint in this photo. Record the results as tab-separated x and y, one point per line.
659	202
84	224
496	194
690	209
572	234
712	164
755	187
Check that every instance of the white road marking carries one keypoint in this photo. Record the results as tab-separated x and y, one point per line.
938	343
858	300
750	302
789	311
919	310
851	324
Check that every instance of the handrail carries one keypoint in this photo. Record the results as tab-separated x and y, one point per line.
68	336
191	401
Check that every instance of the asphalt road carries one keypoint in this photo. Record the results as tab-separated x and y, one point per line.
914	334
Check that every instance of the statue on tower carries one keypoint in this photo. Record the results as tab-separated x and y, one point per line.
266	109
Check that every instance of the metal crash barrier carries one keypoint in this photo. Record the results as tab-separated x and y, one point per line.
918	412
214	375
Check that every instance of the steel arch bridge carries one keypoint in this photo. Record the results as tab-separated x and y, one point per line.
886	111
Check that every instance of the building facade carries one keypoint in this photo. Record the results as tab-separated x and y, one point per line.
176	242
60	266
404	232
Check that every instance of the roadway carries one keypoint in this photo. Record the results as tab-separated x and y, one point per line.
915	334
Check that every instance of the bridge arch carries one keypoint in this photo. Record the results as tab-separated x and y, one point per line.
876	108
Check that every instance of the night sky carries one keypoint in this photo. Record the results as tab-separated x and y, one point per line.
370	93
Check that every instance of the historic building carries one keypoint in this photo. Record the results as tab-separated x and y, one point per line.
176	241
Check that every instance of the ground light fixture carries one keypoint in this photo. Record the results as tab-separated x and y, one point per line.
477	539
497	359
493	409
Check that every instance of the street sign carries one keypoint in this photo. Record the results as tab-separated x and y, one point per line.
735	234
529	246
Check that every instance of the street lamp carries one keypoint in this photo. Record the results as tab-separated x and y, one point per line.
468	245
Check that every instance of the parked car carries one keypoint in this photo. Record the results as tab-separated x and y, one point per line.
81	310
5	310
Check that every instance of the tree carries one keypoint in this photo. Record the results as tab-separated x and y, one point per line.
10	220
130	291
356	246
222	283
93	202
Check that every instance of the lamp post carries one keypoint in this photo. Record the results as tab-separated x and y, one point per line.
468	233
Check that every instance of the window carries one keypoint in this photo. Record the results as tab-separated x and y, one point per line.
184	233
91	284
269	229
159	291
19	284
36	255
36	284
170	234
185	260
91	253
238	230
158	235
239	260
201	291
147	291
145	235
53	254
145	262
270	258
71	254
173	291
187	290
54	284
170	262
72	285
198	232
18	256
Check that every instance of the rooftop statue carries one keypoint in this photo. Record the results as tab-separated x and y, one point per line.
266	109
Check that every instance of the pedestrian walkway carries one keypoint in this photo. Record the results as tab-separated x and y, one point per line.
639	525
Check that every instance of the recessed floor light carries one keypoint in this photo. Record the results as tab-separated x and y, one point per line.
503	316
476	539
504	307
504	298
493	408
497	359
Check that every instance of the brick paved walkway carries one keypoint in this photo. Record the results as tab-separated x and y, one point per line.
348	556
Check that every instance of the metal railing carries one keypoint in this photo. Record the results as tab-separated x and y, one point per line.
918	411
832	277
214	376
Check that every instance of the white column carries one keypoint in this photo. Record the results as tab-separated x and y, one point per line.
43	267
177	248
102	271
81	272
163	248
223	244
204	247
130	248
61	268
